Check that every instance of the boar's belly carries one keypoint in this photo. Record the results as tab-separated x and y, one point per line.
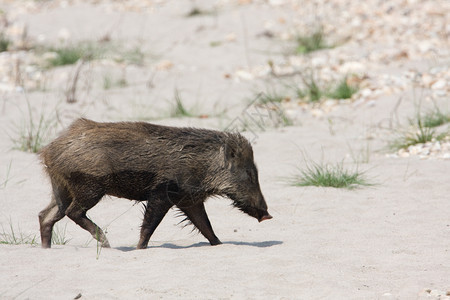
134	185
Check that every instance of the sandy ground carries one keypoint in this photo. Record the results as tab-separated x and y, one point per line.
386	241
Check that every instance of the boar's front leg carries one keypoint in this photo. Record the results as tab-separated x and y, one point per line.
197	215
154	213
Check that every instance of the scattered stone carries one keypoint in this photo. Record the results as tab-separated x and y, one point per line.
438	85
387	296
435	149
429	294
164	65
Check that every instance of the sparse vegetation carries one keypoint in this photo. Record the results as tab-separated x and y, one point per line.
16	236
419	135
70	54
312	91
133	56
179	110
4	43
66	56
215	43
276	115
423	130
109	82
265	111
284	119
122	82
99	244
435	118
59	236
343	90
71	91
5	181
272	96
362	156
32	134
310	43
330	175
196	11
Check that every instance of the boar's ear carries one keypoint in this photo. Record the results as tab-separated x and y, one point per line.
227	155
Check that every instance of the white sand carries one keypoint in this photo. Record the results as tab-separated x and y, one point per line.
389	241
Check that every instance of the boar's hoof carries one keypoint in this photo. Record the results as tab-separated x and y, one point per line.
216	242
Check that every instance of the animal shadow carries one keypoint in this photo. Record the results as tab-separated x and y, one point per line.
264	244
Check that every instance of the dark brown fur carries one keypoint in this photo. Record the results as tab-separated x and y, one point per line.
162	165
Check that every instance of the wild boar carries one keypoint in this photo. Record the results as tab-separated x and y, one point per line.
162	165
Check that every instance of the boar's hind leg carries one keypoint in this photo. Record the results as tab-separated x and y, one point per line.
154	213
197	215
53	213
77	212
47	218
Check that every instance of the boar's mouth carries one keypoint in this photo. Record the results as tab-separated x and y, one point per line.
259	214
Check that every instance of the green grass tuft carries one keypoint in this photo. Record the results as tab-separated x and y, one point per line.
272	96
311	43
33	135
67	55
326	175
59	236
269	110
70	54
109	82
343	90
178	109
16	236
421	135
312	91
196	12
4	43
435	118
284	120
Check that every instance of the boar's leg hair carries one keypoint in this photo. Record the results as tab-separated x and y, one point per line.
197	215
154	213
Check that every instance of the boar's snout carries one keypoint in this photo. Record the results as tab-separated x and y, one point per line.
262	214
267	216
259	214
258	210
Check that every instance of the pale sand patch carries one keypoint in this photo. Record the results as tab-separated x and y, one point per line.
389	241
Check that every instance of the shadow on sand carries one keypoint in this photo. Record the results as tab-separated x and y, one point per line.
205	244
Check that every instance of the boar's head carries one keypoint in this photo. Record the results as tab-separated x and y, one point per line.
238	177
